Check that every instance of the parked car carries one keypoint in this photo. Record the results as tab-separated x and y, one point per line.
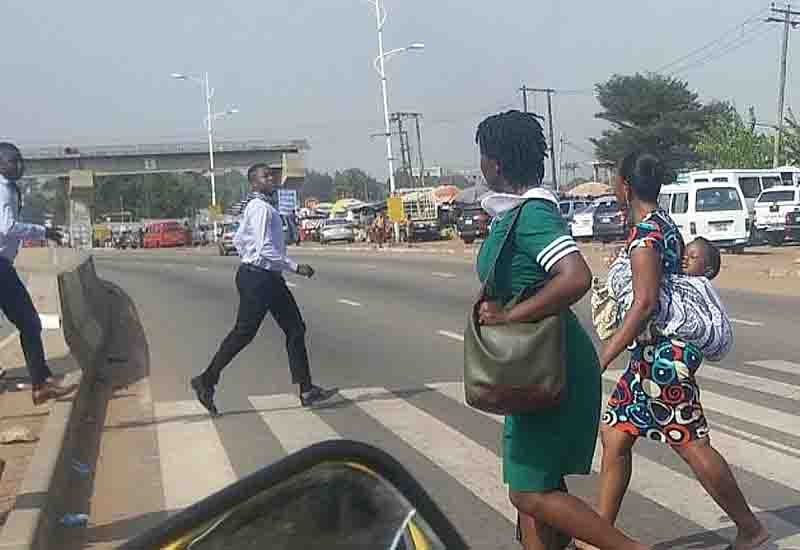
472	223
226	242
610	221
793	225
715	210
571	207
336	230
772	207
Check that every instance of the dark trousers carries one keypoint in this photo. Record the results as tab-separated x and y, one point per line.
17	305
260	292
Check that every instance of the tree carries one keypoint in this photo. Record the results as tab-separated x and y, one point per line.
730	142
791	140
317	185
356	184
654	113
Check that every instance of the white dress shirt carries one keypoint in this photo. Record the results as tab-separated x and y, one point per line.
260	240
13	231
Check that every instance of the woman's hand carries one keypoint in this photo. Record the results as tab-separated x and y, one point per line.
491	313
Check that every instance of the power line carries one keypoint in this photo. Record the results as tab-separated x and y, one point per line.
729	48
788	22
723	37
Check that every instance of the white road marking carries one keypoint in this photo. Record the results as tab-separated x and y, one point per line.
8	339
291	284
783	366
194	463
294	426
684	495
198	268
455	391
370	267
349	302
453	335
444	275
748	381
747	323
472	465
50	321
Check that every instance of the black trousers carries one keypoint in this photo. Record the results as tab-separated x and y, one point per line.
16	303
260	292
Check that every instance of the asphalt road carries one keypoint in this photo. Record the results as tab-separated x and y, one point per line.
385	329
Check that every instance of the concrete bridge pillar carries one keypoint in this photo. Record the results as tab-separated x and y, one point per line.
80	192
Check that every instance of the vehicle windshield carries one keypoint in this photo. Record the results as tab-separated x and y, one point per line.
777	196
607	208
330	223
588	210
718	199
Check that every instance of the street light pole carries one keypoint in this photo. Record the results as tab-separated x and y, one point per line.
210	128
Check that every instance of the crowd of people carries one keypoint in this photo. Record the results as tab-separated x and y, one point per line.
657	396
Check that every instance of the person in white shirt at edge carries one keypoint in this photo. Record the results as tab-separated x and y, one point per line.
15	301
262	249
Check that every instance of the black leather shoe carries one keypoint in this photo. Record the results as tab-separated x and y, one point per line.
205	394
316	395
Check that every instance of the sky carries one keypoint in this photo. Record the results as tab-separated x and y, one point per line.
98	73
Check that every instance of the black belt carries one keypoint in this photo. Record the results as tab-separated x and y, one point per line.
256	269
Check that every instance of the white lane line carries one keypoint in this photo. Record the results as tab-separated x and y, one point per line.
681	494
455	391
472	465
748	381
444	275
50	321
370	267
453	335
8	339
783	366
291	284
349	302
194	463
769	418
747	323
294	426
198	268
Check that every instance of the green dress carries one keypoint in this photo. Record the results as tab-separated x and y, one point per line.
540	448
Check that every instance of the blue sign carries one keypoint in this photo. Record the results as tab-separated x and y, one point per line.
287	200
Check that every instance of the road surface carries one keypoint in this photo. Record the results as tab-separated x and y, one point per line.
385	328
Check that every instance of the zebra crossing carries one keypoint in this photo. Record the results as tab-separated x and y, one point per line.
767	459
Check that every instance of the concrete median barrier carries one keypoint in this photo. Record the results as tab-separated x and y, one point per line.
85	304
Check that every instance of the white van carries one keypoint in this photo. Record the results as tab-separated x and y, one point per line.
790	175
716	210
751	182
772	207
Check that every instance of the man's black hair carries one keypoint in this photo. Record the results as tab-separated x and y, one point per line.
516	141
645	174
251	172
711	257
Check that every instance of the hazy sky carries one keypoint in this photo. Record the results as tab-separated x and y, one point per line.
90	72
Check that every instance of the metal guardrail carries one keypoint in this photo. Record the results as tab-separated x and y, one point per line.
66	152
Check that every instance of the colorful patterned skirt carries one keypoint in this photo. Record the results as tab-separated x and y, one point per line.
657	396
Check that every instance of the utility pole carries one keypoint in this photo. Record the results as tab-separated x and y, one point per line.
405	144
787	22
549	92
561	160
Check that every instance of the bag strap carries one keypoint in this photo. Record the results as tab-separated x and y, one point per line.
512	226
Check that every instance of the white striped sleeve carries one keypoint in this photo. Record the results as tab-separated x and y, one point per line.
556	250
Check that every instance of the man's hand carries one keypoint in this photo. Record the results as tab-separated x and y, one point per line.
53	234
491	313
305	270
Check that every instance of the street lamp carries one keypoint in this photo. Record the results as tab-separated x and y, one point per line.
210	118
380	66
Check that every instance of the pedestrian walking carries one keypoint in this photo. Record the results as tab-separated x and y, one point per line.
540	449
15	301
261	244
657	396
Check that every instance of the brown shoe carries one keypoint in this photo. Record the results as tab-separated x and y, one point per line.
50	390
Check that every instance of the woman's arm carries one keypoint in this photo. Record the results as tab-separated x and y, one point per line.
570	279
646	270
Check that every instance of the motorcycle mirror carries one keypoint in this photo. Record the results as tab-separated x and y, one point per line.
335	495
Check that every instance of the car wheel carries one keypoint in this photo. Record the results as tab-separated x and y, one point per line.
469	240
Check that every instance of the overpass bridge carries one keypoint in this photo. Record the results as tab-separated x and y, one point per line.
58	161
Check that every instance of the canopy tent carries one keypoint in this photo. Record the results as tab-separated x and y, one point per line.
590	189
471	195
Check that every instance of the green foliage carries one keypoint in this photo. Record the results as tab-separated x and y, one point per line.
651	112
731	142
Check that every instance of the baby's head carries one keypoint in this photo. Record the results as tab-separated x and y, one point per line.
701	259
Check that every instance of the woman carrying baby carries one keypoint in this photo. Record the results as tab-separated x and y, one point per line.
657	396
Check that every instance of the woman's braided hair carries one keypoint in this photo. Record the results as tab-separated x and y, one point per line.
516	141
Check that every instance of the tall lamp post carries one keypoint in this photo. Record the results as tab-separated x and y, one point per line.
211	116
380	66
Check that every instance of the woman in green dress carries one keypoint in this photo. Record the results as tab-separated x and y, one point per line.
540	449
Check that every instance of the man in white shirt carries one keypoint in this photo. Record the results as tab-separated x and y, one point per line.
261	244
15	301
